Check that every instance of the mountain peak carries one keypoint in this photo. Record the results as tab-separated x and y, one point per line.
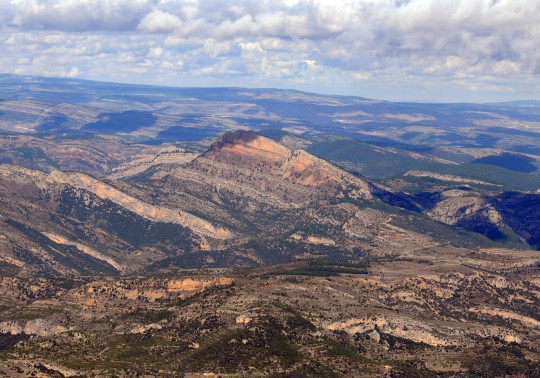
256	153
248	144
235	137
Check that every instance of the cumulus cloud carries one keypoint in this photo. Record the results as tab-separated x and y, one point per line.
160	22
75	15
490	43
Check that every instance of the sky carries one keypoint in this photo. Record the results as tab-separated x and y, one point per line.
418	50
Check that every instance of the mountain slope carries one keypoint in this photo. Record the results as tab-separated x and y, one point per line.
506	216
67	222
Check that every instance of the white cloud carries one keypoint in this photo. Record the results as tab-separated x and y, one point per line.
160	22
361	75
218	48
72	73
155	52
269	43
76	15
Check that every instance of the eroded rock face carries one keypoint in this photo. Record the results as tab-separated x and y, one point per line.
445	177
407	329
85	249
193	284
39	327
144	161
471	212
249	144
99	294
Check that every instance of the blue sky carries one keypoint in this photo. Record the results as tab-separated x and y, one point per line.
431	50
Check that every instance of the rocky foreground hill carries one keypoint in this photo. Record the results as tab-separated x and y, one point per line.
250	258
438	312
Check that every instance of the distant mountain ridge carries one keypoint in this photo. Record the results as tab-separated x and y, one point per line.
152	114
520	103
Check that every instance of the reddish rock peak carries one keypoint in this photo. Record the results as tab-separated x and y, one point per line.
248	145
232	138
